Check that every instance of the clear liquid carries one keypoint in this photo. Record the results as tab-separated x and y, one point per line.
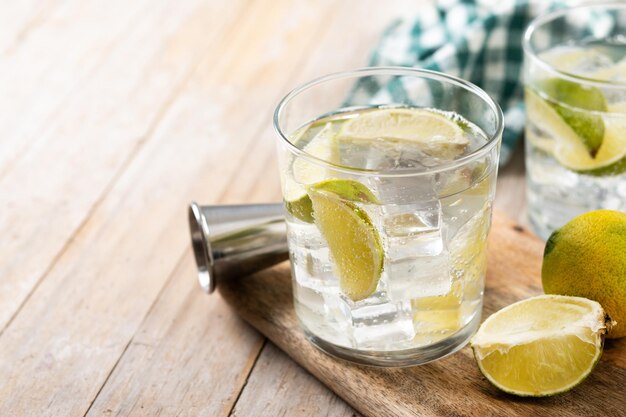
557	193
433	230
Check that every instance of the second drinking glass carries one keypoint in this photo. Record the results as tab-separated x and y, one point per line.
575	78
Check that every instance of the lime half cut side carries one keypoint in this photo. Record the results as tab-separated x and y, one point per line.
569	150
432	132
541	346
354	243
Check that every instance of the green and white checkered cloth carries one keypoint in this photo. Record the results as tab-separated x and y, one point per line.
477	40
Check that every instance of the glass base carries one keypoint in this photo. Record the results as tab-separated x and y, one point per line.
399	358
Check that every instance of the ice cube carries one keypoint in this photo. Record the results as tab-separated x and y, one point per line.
342	306
592	62
420	276
305	235
419	244
577	60
400	223
309	298
410	216
312	272
412	230
472	231
310	259
459	209
371	324
542	169
374	323
403	190
382	154
321	316
360	153
380	326
614	72
373	313
338	311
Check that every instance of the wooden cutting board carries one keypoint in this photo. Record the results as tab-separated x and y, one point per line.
452	386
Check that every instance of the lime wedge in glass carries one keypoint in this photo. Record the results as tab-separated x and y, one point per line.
354	243
433	133
350	190
541	346
570	150
575	104
323	146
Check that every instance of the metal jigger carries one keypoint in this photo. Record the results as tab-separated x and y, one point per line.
236	240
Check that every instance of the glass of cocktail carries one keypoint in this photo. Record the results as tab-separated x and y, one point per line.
388	178
575	88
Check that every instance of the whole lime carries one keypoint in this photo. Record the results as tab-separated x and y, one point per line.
587	258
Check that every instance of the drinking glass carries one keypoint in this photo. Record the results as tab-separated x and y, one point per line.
575	94
388	178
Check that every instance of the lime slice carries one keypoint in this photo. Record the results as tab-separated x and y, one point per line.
541	346
611	157
570	102
434	133
323	146
569	150
350	190
299	205
352	239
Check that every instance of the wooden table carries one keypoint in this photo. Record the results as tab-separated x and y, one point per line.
114	115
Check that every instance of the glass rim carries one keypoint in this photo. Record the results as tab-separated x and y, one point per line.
548	17
492	141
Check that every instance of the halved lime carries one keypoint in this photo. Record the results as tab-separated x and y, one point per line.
303	172
541	346
353	241
432	132
570	150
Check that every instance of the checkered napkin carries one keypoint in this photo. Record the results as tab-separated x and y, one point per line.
477	40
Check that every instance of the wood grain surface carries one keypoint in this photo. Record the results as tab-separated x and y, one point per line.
452	386
114	115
